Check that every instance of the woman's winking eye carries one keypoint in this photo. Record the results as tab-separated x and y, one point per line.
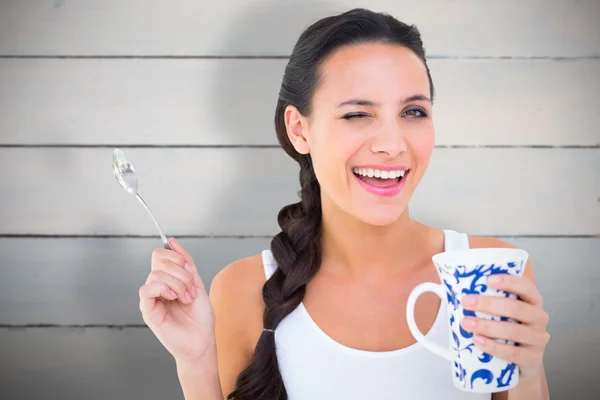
351	115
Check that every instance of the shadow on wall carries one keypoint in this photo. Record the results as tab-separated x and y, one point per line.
238	115
237	83
234	88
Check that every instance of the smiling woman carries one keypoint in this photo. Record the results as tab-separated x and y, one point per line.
321	315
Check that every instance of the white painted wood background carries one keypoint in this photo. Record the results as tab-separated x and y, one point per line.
188	88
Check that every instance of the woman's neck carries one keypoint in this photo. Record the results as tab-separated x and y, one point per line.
355	249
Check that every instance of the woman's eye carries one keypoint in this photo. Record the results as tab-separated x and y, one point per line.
415	113
354	115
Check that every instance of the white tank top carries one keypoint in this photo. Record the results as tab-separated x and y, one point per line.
316	367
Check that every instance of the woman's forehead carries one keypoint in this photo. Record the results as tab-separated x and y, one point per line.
372	70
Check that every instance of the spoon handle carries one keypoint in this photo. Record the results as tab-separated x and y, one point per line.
163	237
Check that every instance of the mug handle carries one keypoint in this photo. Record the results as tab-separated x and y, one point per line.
410	317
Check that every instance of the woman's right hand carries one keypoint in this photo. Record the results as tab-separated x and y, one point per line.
175	306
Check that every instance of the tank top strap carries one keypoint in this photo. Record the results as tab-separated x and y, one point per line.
455	240
269	263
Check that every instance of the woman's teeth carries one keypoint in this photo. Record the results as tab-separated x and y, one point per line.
377	173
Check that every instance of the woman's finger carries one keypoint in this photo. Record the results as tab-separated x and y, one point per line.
150	292
522	334
520	285
180	273
520	355
193	269
161	254
173	283
506	307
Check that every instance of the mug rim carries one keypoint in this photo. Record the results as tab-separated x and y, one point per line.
488	255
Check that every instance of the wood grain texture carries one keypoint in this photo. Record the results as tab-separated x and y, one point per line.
90	364
232	102
240	191
458	28
96	281
99	364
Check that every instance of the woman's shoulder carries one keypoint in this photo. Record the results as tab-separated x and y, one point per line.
242	274
237	289
478	242
236	297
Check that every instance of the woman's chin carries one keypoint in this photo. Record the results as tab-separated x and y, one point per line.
381	216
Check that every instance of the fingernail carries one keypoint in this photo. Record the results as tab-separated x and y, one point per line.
469	323
173	294
469	300
186	297
479	340
188	268
494	279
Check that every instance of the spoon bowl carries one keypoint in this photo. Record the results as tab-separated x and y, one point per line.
124	172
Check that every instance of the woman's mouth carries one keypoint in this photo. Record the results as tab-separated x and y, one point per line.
381	182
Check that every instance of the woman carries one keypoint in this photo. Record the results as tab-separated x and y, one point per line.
355	111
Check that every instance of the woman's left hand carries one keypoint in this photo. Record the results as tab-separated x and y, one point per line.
530	333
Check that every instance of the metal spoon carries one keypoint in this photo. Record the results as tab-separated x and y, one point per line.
125	175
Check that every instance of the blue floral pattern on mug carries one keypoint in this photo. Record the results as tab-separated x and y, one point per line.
473	369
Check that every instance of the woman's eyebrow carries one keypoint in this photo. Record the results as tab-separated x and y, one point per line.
416	97
370	103
358	102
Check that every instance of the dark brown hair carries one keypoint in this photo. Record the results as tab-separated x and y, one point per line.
297	248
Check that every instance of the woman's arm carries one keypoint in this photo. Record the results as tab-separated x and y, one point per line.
200	380
530	390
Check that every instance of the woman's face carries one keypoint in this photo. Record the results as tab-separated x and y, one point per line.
370	116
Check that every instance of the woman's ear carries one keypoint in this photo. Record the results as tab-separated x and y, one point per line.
296	128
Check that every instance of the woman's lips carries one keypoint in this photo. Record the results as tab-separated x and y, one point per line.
382	187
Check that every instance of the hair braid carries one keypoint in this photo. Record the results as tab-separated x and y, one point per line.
296	250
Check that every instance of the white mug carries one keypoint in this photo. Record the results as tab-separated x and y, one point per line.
465	272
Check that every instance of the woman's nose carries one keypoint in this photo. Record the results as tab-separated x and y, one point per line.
390	140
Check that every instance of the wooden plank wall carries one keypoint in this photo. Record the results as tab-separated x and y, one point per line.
188	89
